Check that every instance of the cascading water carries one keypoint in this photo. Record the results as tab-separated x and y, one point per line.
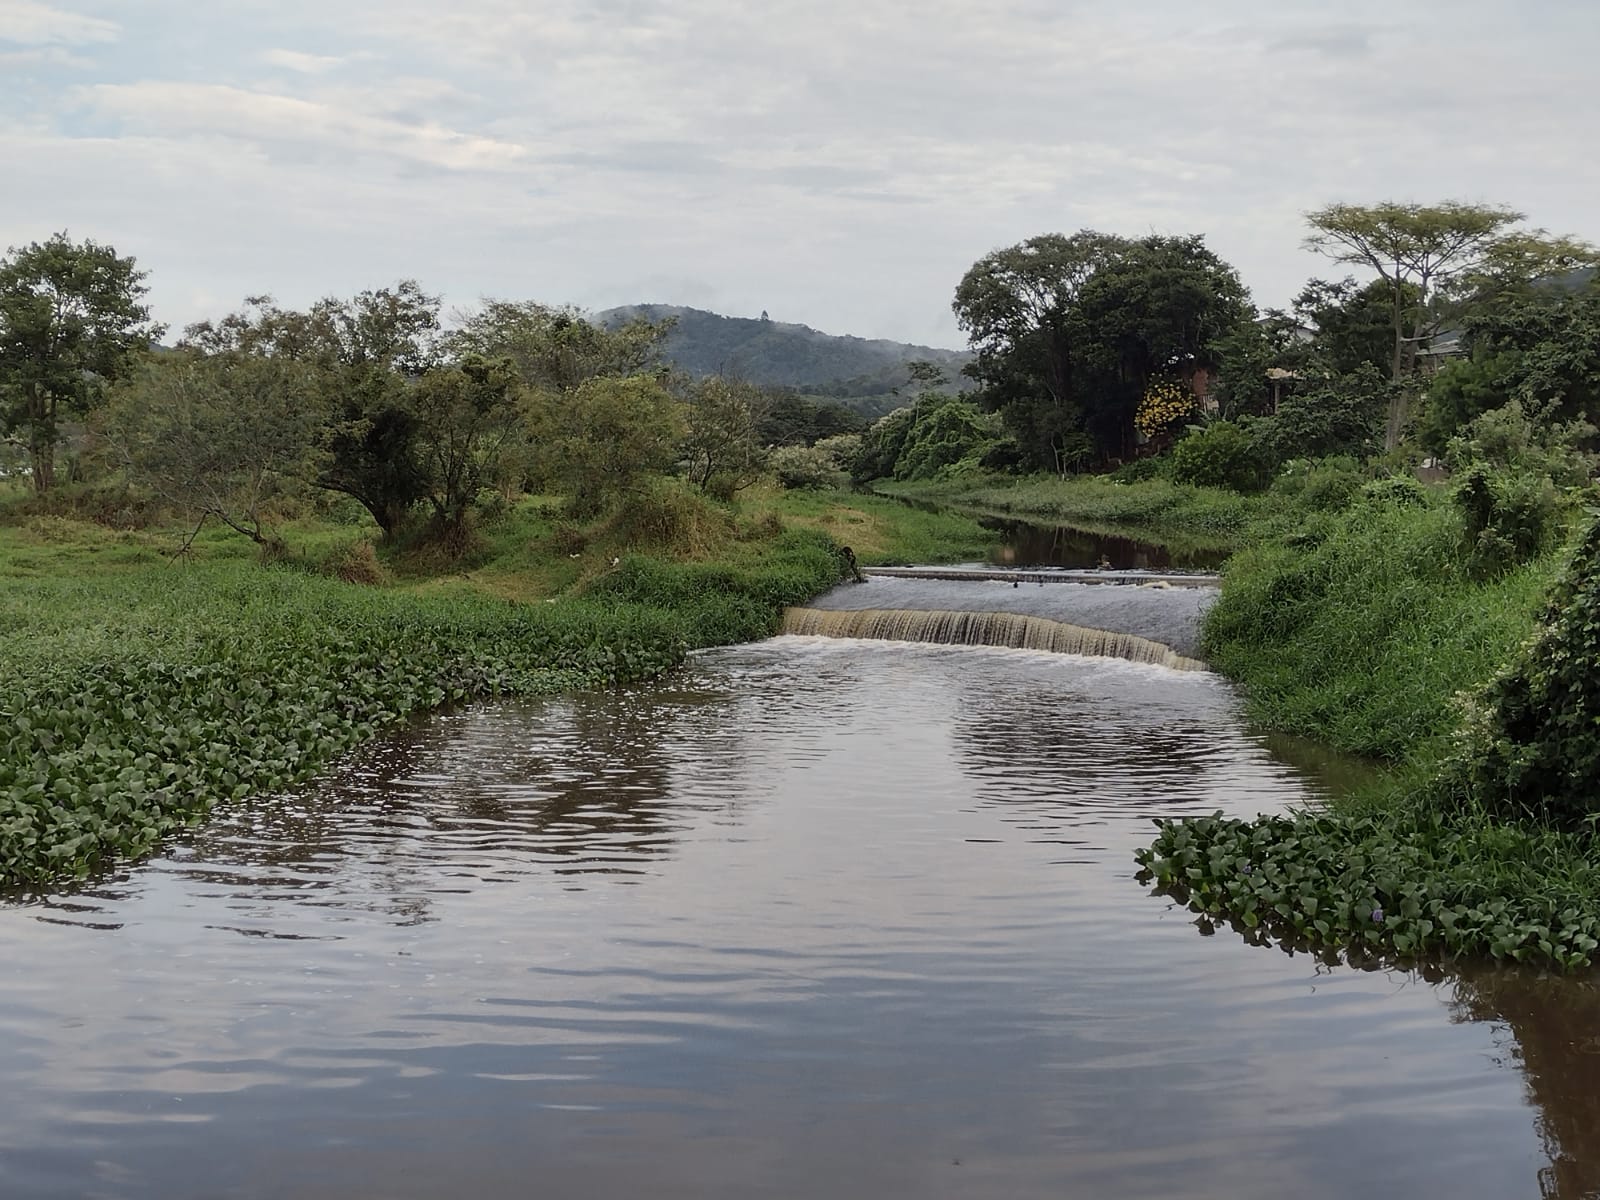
982	629
1145	624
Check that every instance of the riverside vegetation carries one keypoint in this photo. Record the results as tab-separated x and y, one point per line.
1361	608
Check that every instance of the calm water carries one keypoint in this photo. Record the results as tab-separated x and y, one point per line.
1026	544
813	920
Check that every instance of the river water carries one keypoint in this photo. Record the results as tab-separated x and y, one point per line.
810	919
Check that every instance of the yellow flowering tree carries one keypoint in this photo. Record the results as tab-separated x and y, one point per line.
1165	402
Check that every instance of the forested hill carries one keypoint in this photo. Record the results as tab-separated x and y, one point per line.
776	353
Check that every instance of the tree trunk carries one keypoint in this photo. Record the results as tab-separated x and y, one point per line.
43	454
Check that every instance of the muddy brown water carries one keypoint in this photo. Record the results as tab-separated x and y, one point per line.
810	919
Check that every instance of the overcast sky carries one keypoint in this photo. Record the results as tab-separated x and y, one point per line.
836	162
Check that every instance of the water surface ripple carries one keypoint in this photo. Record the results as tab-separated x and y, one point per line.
812	919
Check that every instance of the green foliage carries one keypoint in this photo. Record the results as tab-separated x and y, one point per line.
1220	455
1509	516
721	453
716	604
218	437
130	705
1068	330
1531	745
71	321
943	431
784	418
603	439
1404	885
1358	629
556	349
1320	485
1342	415
807	467
466	422
363	354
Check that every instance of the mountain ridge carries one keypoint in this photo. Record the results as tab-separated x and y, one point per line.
864	373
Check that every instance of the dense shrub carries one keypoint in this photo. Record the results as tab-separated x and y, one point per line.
1219	455
807	468
1531	745
1361	635
1320	485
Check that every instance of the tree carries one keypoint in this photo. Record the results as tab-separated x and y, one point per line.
600	440
556	349
1352	323
1429	253
721	453
465	418
1016	306
1340	414
365	353
1067	332
217	436
71	321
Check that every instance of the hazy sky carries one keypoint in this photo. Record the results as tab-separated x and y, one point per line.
837	162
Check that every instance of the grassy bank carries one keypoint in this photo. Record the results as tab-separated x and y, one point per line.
138	690
1368	629
1173	514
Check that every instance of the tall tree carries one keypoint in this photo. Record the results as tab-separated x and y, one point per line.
1016	306
71	321
366	353
1068	330
466	418
218	436
1426	253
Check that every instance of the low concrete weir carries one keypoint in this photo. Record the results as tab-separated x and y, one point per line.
982	629
1155	614
1192	579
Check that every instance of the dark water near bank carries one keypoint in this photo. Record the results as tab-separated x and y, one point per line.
812	920
1029	544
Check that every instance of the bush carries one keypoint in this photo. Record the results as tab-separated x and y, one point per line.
1325	485
799	468
1401	491
1509	517
355	562
1141	470
664	516
1530	744
1219	455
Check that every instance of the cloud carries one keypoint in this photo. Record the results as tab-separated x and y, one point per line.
288	124
28	23
840	162
305	64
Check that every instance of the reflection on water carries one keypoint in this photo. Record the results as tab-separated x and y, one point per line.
1025	544
812	919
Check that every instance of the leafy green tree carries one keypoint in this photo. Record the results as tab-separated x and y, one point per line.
1221	455
721	452
1352	323
466	419
603	439
71	321
365	353
1540	348
218	437
1427	256
786	418
1339	414
1017	306
942	433
1067	331
556	349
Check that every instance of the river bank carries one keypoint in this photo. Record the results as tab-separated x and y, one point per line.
137	690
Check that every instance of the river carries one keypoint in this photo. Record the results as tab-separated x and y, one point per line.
810	919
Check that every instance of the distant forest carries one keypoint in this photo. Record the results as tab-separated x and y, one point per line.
863	374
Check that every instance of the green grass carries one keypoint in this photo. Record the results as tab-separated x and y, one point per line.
1156	510
138	691
882	531
1360	629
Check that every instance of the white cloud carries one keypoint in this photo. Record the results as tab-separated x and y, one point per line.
838	163
305	64
29	23
287	123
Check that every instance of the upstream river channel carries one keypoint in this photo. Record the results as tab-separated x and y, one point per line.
810	919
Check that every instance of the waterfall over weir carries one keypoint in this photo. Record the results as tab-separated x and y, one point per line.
1015	630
